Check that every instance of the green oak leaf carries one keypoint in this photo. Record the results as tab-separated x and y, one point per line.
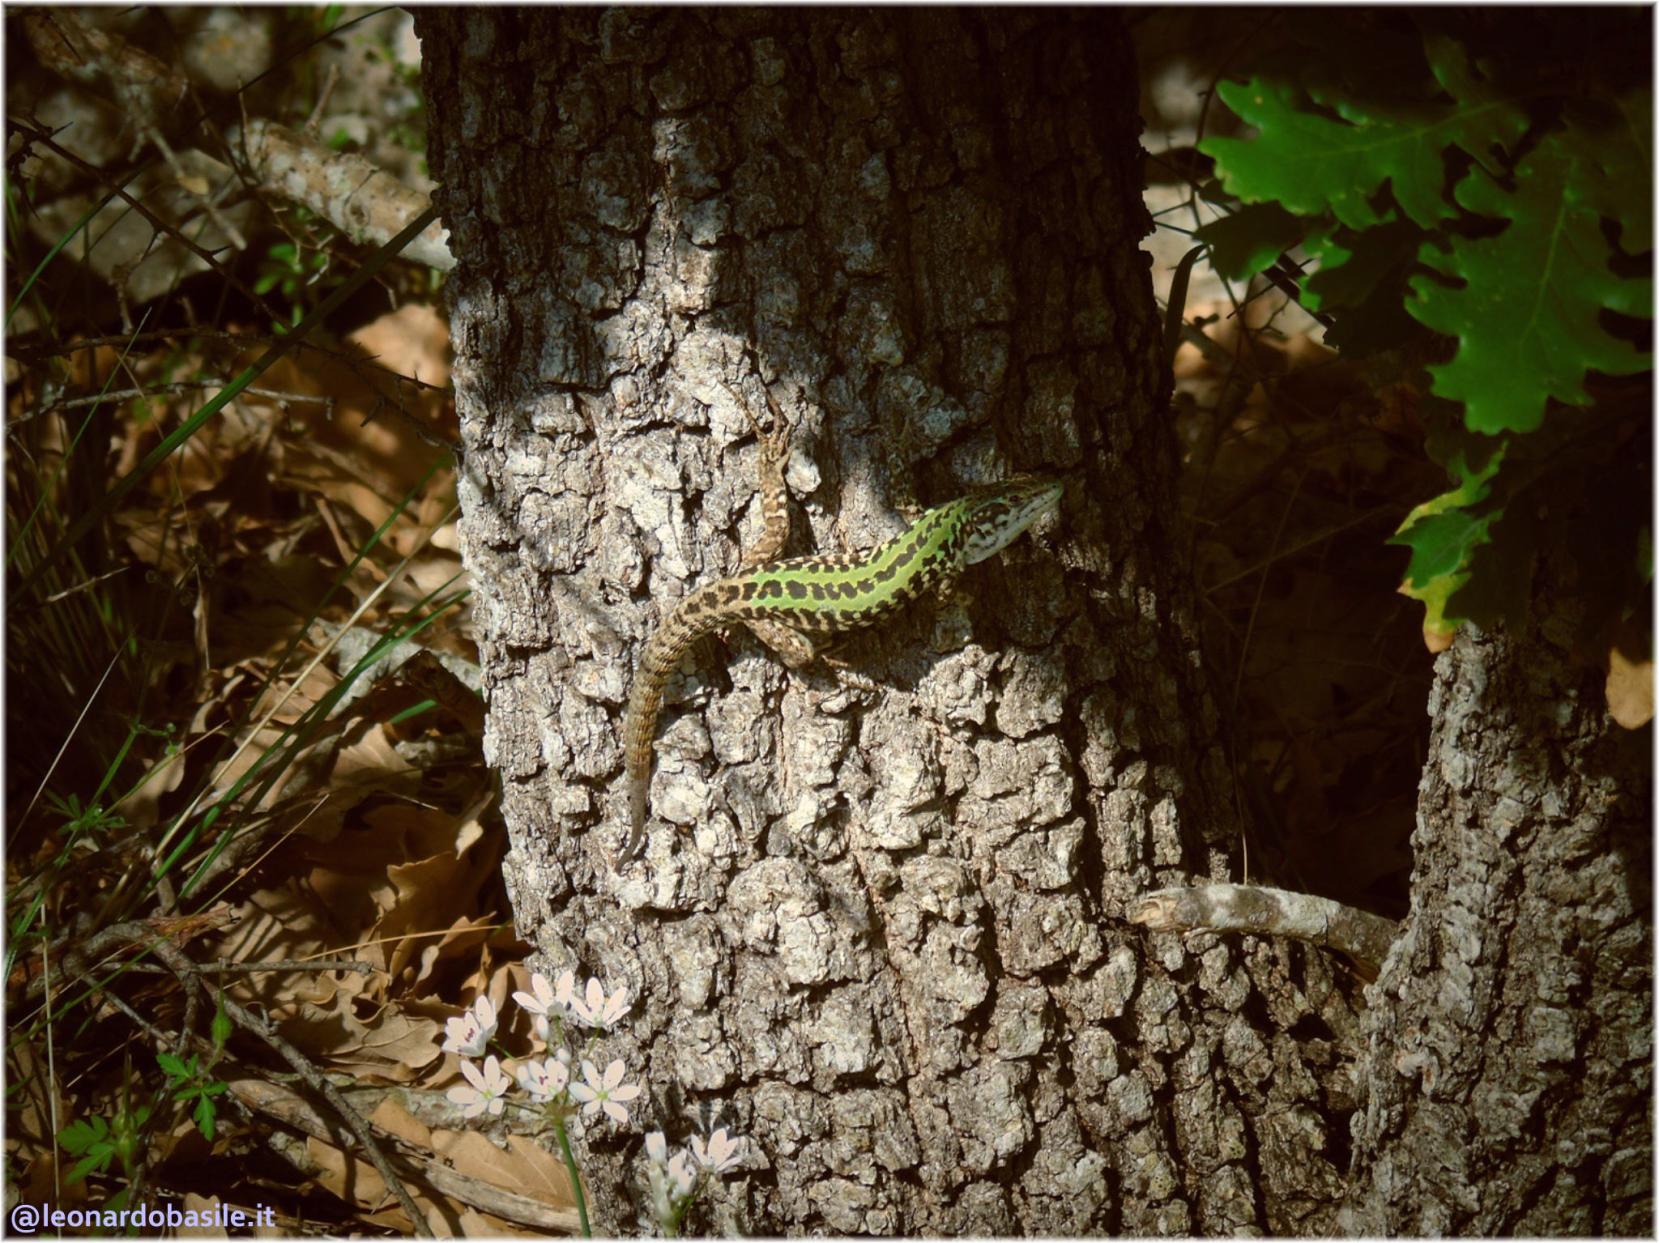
1361	283
1621	183
1338	159
1443	534
1250	239
1527	315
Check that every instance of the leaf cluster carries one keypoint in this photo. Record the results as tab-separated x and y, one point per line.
1514	221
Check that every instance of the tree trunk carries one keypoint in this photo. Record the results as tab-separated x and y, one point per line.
1510	1034
885	930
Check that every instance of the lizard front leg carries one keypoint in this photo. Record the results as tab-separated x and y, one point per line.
774	492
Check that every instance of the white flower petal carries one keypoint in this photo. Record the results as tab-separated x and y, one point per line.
616	1005
720	1153
680	1170
471	1103
464	1036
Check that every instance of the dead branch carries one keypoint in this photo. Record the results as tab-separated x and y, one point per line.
1271	912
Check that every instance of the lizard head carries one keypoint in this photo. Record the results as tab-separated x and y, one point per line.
995	514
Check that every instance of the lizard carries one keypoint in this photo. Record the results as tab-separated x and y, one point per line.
800	605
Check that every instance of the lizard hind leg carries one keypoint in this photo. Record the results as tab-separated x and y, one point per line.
792	647
798	653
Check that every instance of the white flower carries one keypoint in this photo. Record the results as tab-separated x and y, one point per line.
720	1154
486	1091
548	1000
597	1010
469	1034
656	1147
608	1093
672	1180
543	1080
682	1177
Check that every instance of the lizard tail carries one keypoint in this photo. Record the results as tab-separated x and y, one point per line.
694	618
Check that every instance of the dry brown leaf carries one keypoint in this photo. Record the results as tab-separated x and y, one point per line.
397	1121
412	341
458	942
524	1166
397	1047
42	1183
1629	689
411	832
386	1044
205	1208
367	902
543	1176
284	922
427	893
357	1182
393	1119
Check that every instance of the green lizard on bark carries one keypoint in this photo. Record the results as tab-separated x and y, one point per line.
795	605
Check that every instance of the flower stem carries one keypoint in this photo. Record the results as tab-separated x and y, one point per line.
575	1177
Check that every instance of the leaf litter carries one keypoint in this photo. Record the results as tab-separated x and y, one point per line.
380	843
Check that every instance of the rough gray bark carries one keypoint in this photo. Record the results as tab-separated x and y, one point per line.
1509	1068
888	928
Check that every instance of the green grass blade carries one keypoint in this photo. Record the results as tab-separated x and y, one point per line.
52	254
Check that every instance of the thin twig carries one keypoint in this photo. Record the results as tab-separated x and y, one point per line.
27	349
175	386
330	81
253	968
111	997
161	226
289	964
86	585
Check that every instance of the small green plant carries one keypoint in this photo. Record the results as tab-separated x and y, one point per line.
1512	223
189	1082
78	820
291	270
191	1085
99	1141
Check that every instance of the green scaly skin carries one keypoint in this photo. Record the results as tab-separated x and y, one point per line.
794	605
